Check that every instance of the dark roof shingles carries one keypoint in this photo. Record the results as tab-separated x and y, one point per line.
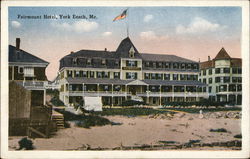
23	56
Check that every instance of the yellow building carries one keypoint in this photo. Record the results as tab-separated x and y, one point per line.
223	77
125	74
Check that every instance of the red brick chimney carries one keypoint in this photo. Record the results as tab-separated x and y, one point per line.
18	43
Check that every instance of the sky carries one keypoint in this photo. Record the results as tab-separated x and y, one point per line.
190	32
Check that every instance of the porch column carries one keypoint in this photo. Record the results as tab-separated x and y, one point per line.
112	95
172	93
44	97
126	92
98	94
147	94
185	91
83	89
196	93
160	95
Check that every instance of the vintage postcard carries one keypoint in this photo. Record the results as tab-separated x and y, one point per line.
124	79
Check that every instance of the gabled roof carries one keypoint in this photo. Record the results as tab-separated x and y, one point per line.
23	56
124	47
222	55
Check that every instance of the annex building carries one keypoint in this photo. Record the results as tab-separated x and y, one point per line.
125	74
223	75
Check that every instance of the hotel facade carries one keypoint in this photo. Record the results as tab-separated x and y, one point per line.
223	76
125	74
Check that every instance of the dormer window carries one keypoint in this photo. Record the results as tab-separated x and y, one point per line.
117	63
132	52
89	61
20	69
74	61
103	62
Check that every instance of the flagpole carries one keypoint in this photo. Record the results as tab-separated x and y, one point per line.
127	24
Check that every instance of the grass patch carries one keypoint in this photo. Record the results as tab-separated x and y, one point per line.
197	110
86	121
238	136
218	130
130	112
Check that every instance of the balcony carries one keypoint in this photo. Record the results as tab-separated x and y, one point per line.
98	93
131	68
33	85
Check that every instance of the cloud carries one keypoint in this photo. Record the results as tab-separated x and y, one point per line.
107	33
148	17
15	24
150	35
199	25
78	26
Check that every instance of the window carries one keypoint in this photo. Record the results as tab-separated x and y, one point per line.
77	73
204	89
147	64
210	80
217	79
154	65
159	76
159	64
189	66
239	79
153	76
84	74
210	71
232	87
146	75
204	72
182	77
74	61
188	77
91	74
175	76
103	62
89	61
204	80
182	66
239	88
223	88
167	76
239	70
209	89
234	79
132	52
167	65
99	74
131	75
131	63
117	63
69	73
105	74
116	74
217	70
226	70
29	71
226	79
176	65
20	69
235	70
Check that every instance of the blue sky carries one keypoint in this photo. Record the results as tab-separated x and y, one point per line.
183	31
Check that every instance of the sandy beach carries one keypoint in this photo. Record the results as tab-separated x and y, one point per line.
181	128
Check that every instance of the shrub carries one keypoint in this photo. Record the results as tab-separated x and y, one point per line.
218	130
132	103
56	102
239	136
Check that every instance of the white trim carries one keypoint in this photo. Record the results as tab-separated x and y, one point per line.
27	64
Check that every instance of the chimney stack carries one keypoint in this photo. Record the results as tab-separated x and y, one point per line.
18	43
105	49
71	52
209	58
